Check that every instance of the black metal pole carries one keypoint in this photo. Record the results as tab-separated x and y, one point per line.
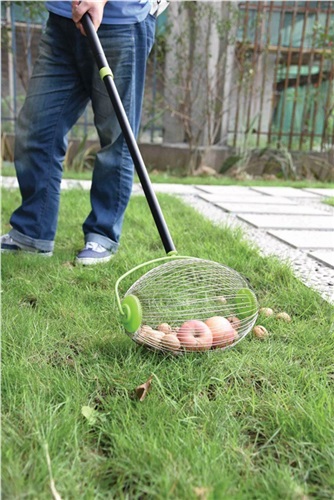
107	77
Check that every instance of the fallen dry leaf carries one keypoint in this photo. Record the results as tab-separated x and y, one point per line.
142	390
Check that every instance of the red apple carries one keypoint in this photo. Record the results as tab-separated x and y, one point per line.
222	331
195	335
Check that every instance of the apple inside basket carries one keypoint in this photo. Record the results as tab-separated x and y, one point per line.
193	305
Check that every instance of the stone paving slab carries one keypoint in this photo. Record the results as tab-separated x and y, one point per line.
306	239
137	189
85	185
9	182
288	192
323	256
289	221
66	184
328	193
253	208
225	190
250	197
174	188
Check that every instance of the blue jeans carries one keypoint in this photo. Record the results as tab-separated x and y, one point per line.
64	79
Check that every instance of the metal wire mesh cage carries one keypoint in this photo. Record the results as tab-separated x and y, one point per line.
190	304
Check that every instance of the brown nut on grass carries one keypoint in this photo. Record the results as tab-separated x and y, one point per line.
260	332
266	311
283	316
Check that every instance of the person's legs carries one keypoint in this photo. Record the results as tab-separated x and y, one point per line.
55	99
64	77
126	48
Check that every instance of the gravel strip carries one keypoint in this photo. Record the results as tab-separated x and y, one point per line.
312	273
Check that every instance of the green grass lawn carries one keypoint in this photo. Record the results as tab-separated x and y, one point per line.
329	201
253	422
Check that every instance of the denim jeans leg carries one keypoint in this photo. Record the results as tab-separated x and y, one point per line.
55	99
126	48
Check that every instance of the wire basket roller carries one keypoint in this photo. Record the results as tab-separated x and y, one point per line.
185	304
188	305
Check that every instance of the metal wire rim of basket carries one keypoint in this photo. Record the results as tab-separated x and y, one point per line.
184	299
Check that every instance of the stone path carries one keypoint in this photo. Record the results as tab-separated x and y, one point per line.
284	213
291	223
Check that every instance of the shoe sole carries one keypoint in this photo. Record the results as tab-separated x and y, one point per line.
93	261
30	252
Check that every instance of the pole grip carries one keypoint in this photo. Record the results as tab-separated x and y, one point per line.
107	77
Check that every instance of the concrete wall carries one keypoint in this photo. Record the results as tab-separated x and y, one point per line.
175	157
